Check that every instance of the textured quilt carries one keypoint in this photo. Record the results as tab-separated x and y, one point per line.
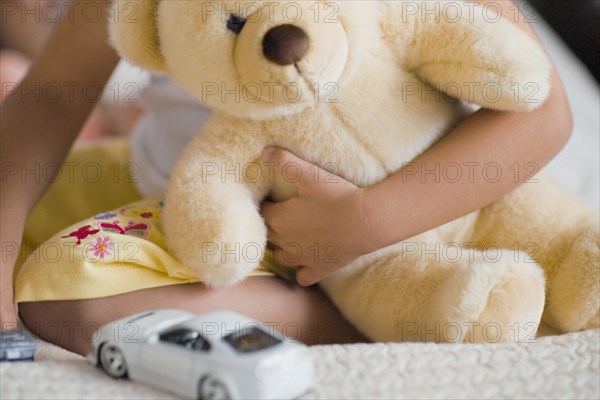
552	367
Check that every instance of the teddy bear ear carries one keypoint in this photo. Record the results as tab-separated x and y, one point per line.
134	33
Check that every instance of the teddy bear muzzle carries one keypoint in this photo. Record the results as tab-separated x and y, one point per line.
285	44
282	59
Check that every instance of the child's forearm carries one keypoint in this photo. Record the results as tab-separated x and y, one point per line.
42	117
17	34
426	193
40	121
485	157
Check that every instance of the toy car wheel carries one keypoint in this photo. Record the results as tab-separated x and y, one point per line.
211	388
113	361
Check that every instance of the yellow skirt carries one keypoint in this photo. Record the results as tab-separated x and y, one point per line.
106	253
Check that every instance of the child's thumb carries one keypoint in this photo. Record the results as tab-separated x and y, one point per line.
292	169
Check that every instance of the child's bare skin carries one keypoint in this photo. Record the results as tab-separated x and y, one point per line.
301	313
44	132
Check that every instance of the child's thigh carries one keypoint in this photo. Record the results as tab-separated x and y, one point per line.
302	313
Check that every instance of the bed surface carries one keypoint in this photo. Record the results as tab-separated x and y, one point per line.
565	366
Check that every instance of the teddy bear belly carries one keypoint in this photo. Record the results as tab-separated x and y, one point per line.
364	142
372	123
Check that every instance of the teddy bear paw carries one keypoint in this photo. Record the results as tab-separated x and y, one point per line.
499	300
574	290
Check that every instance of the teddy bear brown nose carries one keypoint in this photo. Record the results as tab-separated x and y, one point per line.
285	44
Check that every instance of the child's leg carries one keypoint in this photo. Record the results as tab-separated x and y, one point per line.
301	313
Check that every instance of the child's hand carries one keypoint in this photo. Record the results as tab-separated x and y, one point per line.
320	230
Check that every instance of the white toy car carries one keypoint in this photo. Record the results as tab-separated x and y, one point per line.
220	355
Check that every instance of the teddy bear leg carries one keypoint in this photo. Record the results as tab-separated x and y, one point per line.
573	301
561	233
496	297
392	297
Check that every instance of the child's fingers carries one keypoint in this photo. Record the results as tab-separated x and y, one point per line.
293	169
285	258
270	212
308	276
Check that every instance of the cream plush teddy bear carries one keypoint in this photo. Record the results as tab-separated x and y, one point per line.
355	86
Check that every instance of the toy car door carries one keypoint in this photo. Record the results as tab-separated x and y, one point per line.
169	357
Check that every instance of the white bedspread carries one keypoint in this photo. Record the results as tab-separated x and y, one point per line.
556	367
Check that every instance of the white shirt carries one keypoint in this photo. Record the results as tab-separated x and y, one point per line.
171	119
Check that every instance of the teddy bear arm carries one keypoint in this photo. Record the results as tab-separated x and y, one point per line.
470	53
211	216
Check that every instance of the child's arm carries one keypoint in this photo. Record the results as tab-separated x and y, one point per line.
347	222
37	132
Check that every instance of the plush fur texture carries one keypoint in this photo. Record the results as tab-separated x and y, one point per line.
366	98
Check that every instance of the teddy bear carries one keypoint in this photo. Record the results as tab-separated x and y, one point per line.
362	88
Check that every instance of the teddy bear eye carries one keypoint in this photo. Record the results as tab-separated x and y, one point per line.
235	23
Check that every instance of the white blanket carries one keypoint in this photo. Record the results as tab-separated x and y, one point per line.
557	367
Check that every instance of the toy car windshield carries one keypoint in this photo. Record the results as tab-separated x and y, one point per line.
188	338
251	339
